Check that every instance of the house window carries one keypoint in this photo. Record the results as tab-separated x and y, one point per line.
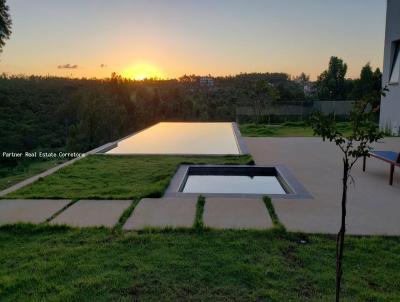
395	68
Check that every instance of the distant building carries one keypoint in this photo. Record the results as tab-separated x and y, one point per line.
307	86
390	104
309	89
207	81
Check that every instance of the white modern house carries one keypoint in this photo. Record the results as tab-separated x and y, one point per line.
390	104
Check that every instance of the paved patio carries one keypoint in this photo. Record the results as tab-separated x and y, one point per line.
236	213
29	210
162	212
93	213
373	205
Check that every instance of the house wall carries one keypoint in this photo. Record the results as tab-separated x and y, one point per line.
390	104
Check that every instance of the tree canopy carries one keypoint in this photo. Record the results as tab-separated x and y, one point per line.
369	83
331	83
5	24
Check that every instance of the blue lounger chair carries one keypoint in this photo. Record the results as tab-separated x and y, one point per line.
393	158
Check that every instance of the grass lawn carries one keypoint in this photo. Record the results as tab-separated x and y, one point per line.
298	129
116	177
11	176
61	264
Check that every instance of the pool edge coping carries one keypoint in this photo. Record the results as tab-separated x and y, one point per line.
241	144
179	178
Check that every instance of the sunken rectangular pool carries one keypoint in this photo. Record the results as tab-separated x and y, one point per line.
246	180
230	180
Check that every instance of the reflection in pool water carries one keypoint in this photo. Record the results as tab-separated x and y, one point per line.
233	184
181	138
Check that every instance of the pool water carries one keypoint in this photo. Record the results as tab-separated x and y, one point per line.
240	184
181	138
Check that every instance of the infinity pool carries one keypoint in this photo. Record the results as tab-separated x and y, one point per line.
181	138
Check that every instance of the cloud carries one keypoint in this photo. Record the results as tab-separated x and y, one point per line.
67	66
103	65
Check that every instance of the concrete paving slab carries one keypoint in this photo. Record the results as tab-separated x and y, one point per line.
236	213
162	212
301	215
373	205
93	213
29	210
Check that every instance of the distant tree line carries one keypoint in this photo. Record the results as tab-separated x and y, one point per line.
50	113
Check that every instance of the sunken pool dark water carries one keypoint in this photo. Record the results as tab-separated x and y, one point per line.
239	184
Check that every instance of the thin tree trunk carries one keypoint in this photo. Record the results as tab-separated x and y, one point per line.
340	235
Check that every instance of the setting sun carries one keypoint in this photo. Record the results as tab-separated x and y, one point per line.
141	71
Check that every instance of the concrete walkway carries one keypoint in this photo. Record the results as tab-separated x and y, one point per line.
219	213
236	213
162	213
93	213
373	205
29	210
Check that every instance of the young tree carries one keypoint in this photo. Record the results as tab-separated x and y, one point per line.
5	24
353	146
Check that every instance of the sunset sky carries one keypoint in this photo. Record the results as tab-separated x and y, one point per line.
168	38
